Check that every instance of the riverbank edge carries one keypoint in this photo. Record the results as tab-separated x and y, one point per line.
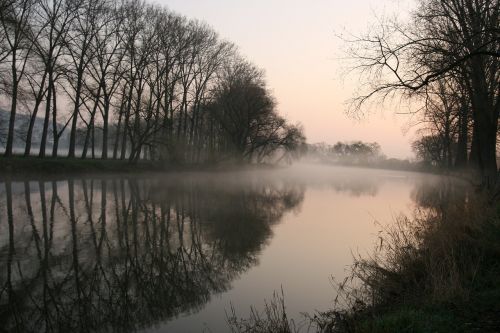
409	295
53	165
472	304
16	166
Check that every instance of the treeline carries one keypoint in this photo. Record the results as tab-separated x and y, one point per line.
131	80
446	57
356	153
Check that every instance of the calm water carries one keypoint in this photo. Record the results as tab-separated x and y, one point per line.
158	253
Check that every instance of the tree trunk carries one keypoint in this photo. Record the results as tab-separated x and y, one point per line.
48	99
126	124
86	143
13	108
55	131
90	127
31	125
93	141
105	128
117	135
486	144
76	111
486	124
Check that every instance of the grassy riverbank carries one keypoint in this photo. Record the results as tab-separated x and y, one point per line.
438	271
34	165
18	165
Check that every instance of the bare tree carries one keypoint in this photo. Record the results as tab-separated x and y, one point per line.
14	19
51	21
79	47
163	86
445	39
106	69
442	112
5	49
244	111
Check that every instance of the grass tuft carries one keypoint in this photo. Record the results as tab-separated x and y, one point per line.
272	320
435	272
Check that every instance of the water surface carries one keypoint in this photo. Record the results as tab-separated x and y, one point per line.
171	253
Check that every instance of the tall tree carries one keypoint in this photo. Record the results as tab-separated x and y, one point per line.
51	21
82	33
14	19
455	39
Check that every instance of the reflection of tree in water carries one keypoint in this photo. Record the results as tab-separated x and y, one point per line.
439	193
100	255
352	182
357	188
235	216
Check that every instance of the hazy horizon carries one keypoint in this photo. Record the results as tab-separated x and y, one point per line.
295	43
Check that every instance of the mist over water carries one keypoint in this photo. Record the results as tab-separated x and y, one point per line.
172	252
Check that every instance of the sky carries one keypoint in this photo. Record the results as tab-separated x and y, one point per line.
296	44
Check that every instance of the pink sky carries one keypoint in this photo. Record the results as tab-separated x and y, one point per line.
295	43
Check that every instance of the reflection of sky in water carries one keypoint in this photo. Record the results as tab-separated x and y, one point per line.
171	253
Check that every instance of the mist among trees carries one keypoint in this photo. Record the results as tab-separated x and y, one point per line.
130	80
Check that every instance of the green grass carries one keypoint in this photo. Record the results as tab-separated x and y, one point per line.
49	165
410	320
480	313
446	317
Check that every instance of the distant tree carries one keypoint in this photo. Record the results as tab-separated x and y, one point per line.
442	118
431	149
352	153
357	152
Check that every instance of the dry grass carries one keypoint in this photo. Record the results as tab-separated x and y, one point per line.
435	272
440	257
272	320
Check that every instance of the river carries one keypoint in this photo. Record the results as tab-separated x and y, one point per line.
173	252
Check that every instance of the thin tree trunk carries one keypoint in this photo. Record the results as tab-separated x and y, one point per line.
117	136
105	128
76	111
43	141
13	108
31	125
55	130
126	124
